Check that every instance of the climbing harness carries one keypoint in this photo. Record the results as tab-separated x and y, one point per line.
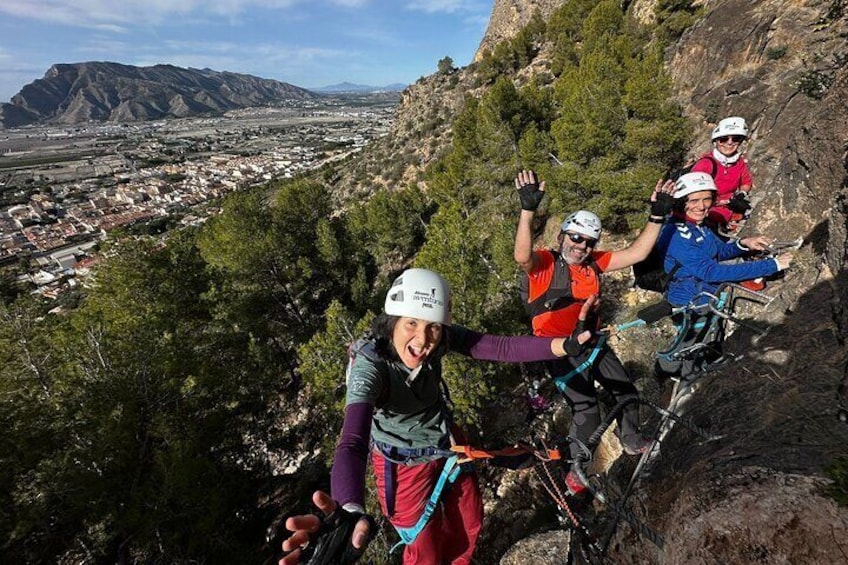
551	465
449	474
513	457
561	382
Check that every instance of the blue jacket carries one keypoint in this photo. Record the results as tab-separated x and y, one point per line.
699	253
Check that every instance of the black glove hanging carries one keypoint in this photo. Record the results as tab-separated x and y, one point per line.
739	203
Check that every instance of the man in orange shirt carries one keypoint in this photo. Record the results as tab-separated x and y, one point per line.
558	283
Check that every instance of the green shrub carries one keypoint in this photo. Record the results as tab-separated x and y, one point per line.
674	17
814	83
776	52
837	471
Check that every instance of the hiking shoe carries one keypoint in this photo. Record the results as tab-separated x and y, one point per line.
661	376
635	444
575	486
718	364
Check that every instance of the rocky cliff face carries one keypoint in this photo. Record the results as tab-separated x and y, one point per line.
509	16
757	495
81	92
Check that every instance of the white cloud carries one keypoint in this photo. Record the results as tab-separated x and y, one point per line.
263	52
350	3
267	60
446	6
375	36
112	15
98	45
111	28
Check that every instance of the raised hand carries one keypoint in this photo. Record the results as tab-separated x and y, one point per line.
662	201
530	192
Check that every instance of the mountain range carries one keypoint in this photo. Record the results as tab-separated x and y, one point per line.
348	87
104	91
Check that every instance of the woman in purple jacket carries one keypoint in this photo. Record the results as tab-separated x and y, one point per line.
396	412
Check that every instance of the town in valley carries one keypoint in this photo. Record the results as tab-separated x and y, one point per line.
63	188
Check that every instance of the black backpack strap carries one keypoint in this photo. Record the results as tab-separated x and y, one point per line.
677	264
563	298
556	296
595	266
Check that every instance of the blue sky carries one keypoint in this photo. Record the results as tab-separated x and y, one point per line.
307	43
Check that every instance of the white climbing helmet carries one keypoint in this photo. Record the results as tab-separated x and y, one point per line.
583	222
731	126
693	182
422	294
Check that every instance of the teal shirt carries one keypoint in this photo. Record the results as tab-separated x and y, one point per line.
411	410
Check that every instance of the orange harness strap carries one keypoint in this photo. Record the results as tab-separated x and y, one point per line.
470	453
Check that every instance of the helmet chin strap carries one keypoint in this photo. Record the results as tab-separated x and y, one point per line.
724	159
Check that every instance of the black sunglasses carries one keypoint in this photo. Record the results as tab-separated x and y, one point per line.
733	138
577	238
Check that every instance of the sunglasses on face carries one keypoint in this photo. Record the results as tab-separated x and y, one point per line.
577	238
731	138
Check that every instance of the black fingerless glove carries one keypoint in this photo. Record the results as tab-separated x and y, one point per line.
530	196
739	203
663	205
333	539
573	347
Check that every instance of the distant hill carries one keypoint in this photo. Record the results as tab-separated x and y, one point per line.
350	87
102	91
